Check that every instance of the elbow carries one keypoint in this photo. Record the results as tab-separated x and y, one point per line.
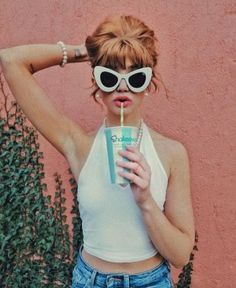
5	58
186	255
2	55
10	58
180	263
183	259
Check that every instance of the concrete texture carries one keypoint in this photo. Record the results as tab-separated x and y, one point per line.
198	66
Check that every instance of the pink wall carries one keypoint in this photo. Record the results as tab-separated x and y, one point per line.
197	64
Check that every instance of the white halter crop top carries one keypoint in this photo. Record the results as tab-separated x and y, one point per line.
113	228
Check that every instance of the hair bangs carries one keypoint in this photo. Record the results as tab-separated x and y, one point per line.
120	53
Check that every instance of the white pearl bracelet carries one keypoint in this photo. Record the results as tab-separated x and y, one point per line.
64	51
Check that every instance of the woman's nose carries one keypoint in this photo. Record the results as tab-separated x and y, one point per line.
122	86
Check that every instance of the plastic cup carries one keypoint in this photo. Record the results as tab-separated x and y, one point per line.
117	138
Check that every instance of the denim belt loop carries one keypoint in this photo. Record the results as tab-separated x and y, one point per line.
92	279
126	281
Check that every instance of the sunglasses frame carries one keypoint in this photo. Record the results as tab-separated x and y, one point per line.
99	69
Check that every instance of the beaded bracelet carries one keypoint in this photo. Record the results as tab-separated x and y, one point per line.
65	55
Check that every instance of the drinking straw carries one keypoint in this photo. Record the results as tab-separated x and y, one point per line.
122	114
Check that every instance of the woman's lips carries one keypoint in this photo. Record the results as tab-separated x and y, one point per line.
125	100
125	103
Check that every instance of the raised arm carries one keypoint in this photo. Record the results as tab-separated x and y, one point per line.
18	65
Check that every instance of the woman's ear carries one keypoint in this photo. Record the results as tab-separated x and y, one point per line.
99	100
97	97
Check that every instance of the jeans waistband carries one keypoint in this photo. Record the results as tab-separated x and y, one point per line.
126	280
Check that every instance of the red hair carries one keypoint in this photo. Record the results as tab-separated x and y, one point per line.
121	38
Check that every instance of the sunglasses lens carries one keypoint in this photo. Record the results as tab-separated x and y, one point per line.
137	80
108	79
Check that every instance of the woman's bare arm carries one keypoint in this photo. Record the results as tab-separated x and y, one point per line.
18	65
172	232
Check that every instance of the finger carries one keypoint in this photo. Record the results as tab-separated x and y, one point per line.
132	148
135	179
131	155
135	156
134	167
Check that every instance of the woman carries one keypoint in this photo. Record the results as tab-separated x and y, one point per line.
131	233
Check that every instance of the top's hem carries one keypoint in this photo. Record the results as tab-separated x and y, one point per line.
121	259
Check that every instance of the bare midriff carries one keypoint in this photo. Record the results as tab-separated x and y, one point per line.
129	268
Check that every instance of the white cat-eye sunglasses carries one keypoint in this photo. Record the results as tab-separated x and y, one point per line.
108	80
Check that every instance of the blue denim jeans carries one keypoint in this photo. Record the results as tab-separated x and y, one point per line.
87	277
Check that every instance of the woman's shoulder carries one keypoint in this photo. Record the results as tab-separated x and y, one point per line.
170	144
168	149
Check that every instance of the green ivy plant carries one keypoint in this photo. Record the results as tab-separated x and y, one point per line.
185	279
36	249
